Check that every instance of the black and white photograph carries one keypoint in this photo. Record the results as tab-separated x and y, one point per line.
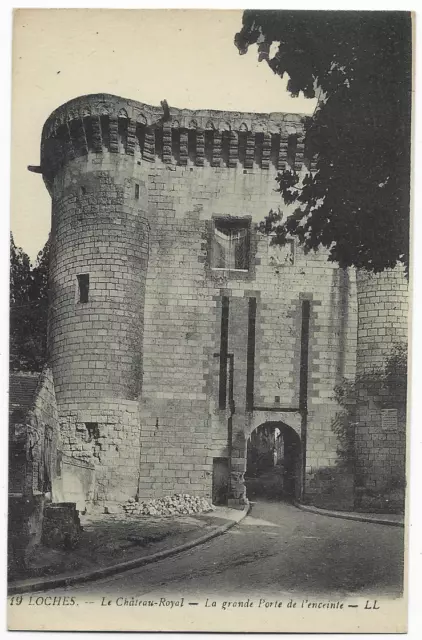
210	300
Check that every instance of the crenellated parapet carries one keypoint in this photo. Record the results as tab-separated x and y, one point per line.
106	123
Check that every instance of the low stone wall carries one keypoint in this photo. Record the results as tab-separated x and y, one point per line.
61	525
331	488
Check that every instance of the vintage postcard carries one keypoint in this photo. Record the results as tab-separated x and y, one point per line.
209	303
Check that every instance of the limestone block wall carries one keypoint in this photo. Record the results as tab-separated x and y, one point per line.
104	434
381	410
47	441
180	412
34	433
138	365
332	343
383	316
100	231
100	244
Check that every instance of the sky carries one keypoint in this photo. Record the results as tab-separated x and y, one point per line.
185	56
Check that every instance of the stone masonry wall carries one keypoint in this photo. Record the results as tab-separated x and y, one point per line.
182	426
35	430
383	316
104	433
48	435
100	229
137	367
381	412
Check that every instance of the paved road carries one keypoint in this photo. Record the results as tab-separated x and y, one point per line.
277	549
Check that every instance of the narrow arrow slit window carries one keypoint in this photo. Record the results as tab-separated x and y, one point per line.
83	286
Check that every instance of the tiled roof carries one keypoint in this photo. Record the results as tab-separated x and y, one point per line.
22	394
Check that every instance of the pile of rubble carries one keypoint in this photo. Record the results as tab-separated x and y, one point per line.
176	505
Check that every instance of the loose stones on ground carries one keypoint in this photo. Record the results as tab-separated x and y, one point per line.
178	504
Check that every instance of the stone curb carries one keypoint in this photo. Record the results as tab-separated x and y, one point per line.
25	586
358	517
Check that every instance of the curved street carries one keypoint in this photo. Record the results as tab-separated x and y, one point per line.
276	549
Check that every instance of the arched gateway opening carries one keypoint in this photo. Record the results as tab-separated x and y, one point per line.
273	466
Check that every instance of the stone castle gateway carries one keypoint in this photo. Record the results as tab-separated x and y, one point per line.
176	328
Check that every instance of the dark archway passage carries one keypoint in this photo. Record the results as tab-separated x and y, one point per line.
273	467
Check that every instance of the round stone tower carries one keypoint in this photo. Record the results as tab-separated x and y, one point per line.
381	387
92	167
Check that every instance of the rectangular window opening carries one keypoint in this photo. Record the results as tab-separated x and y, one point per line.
231	244
83	284
136	191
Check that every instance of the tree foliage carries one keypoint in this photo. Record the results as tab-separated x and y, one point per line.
358	64
28	309
20	274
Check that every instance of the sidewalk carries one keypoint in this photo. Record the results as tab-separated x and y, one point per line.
376	518
113	543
